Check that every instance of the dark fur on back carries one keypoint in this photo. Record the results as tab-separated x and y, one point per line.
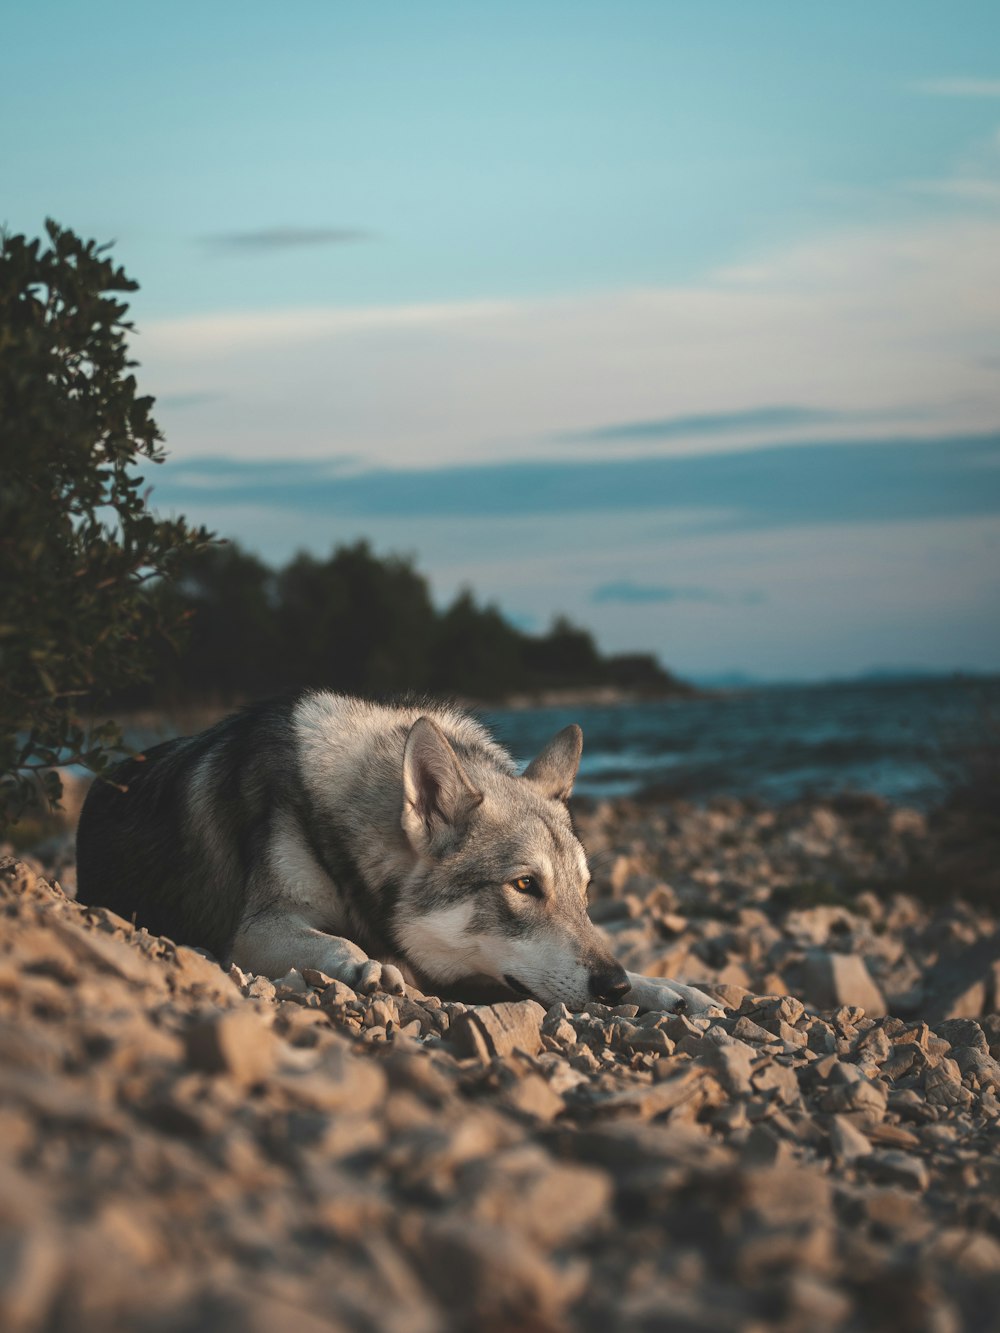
135	851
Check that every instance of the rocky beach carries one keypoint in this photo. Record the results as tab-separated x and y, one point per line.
187	1148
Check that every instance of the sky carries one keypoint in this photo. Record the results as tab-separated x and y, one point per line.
681	320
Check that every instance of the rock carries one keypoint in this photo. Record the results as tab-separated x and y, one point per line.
831	979
29	1269
339	1081
294	983
765	1147
778	1082
534	1097
107	954
236	1043
852	1091
412	1163
554	1203
893	1167
873	1047
972	1060
495	1031
488	1277
960	983
962	1032
943	1085
732	1065
19	877
747	1031
261	988
192	971
972	1252
847	1143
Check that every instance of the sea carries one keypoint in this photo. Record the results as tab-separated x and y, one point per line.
909	741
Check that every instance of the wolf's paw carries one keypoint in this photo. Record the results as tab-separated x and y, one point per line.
658	993
374	976
349	963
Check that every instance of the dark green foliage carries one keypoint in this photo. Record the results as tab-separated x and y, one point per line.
476	651
78	547
362	624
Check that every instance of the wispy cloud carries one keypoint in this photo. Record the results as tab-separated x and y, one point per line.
178	402
959	87
631	593
751	490
753	419
626	590
862	321
268	239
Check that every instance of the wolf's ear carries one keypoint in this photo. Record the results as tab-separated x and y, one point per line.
437	794
554	769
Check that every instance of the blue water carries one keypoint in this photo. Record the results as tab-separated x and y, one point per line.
902	740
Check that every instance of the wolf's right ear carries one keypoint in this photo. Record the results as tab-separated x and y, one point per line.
554	768
437	794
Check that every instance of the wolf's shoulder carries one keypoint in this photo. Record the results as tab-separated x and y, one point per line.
344	721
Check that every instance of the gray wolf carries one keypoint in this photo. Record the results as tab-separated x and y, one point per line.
382	845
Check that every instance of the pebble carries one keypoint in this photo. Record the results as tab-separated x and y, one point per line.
182	1146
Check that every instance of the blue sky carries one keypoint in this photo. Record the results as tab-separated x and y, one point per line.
530	252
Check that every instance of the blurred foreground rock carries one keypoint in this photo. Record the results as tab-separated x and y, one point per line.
183	1148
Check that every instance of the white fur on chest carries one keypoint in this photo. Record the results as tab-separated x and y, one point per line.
305	886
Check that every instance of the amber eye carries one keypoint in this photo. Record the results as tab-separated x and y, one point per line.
527	884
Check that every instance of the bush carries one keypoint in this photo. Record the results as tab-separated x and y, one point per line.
78	547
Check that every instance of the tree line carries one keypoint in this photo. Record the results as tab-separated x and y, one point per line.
359	623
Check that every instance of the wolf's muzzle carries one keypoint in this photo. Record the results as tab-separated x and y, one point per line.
610	985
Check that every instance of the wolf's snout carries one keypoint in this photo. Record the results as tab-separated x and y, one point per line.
609	985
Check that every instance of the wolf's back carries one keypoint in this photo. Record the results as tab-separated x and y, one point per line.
136	854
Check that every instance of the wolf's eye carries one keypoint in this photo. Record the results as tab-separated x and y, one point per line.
527	884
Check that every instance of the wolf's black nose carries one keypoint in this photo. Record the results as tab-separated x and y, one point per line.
610	985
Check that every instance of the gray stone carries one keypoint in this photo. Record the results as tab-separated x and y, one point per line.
830	980
894	1167
847	1143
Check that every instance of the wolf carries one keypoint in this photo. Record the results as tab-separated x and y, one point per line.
382	845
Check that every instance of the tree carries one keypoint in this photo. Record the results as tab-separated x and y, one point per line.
360	623
232	648
476	652
78	545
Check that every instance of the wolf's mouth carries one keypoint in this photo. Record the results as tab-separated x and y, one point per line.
516	985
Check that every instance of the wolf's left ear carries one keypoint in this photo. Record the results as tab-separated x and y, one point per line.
554	769
437	794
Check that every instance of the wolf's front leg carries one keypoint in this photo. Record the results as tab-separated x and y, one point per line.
273	943
658	993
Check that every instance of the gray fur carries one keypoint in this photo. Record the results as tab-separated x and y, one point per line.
377	844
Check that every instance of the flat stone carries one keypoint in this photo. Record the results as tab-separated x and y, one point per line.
491	1031
340	1080
894	1167
554	1202
732	1064
488	1276
847	1143
830	980
236	1043
533	1096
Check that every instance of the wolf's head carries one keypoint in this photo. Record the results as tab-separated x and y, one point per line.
499	886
